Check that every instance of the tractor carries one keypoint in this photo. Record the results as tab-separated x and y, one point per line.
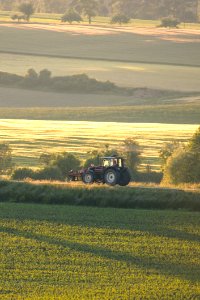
112	171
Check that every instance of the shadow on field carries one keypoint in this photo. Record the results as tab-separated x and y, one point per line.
151	264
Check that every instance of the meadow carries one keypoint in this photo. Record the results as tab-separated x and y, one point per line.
63	252
30	138
155	76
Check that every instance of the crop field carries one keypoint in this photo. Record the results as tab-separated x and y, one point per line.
143	45
30	138
157	76
63	252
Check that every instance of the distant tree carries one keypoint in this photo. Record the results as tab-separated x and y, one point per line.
131	150
89	8
27	9
30	79
22	173
183	166
17	17
71	16
167	151
44	76
66	162
6	163
169	22
194	144
120	19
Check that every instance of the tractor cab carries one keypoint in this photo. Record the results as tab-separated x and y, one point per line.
112	161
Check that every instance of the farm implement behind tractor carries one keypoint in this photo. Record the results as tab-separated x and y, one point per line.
112	171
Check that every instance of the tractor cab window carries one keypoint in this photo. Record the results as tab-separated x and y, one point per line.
120	163
106	163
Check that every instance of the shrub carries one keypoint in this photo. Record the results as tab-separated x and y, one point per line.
169	22
49	173
120	19
71	16
23	173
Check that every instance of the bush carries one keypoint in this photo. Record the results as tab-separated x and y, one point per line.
120	19
71	16
23	173
183	167
169	22
49	173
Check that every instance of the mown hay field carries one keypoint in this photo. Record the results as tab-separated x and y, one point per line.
30	138
57	252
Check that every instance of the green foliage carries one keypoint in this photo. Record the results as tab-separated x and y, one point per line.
22	173
183	165
48	252
71	16
80	83
17	17
127	197
27	9
49	173
89	8
6	163
132	152
167	151
120	19
65	162
169	22
194	144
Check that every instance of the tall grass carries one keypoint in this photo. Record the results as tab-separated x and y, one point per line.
129	197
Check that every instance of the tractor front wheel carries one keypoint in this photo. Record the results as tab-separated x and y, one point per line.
125	178
88	178
111	177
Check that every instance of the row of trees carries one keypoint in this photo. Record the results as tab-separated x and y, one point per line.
184	10
180	162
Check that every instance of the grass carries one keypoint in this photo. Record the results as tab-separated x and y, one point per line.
52	252
155	76
30	138
77	194
88	42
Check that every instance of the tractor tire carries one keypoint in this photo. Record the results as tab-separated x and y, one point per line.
88	178
125	178
111	177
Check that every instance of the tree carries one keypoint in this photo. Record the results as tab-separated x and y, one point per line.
27	9
194	144
6	164
183	165
66	162
120	19
45	76
131	149
71	16
89	8
167	151
169	22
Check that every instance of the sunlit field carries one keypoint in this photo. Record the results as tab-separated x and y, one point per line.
51	252
30	138
156	76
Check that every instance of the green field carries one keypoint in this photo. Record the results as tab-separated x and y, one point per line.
156	76
51	252
30	138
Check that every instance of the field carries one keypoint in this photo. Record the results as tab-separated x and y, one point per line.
30	138
51	252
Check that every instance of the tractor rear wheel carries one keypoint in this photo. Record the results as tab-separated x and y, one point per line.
88	178
125	178
111	177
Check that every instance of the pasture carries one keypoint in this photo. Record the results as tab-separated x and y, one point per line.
63	252
30	138
154	76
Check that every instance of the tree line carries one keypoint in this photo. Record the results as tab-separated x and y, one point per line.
180	162
184	10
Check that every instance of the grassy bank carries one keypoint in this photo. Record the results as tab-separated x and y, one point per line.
64	252
143	198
